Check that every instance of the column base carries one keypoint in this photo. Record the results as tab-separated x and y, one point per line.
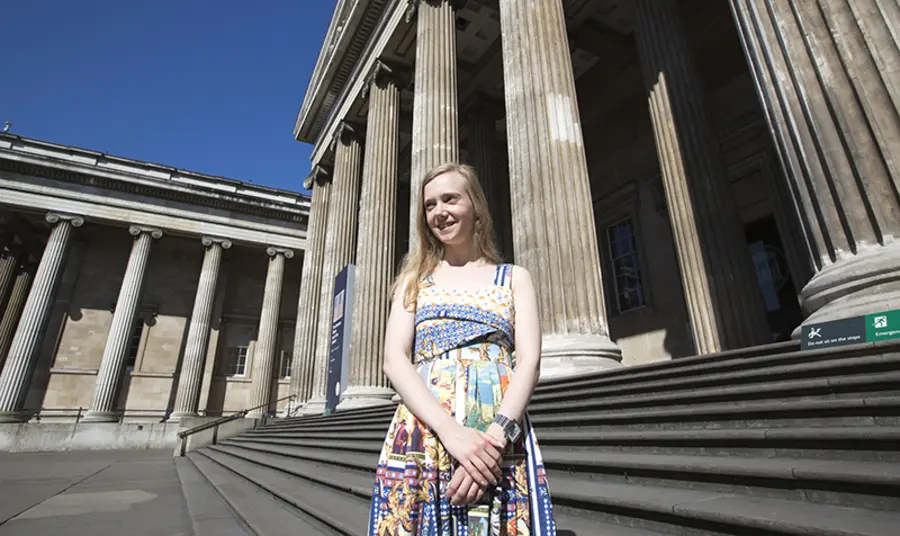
315	406
866	283
100	416
13	417
176	416
365	397
565	356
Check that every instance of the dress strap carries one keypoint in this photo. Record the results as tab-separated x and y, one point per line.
503	278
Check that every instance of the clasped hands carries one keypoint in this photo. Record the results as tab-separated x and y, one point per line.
479	455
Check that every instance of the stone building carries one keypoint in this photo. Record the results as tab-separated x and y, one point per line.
680	177
140	290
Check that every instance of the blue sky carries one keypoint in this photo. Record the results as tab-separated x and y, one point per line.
205	85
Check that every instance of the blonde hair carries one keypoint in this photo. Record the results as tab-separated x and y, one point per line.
424	258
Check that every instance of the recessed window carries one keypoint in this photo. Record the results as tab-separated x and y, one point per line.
626	265
284	371
235	361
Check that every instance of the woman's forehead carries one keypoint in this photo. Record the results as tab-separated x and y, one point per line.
446	182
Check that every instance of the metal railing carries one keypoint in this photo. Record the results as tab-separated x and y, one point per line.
184	434
79	413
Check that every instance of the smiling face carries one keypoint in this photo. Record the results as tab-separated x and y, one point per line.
449	210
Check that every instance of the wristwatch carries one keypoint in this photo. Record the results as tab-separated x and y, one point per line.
511	428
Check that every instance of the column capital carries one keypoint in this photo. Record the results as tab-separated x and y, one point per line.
137	230
210	240
386	72
413	7
272	251
318	175
55	217
346	132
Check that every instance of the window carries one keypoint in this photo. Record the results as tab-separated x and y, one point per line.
629	288
284	371
135	344
236	361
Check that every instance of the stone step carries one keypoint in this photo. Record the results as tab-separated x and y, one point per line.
363	461
829	408
255	508
689	365
336	512
873	485
712	381
210	514
807	388
360	484
864	443
684	511
777	413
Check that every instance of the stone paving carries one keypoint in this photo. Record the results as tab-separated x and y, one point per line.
95	493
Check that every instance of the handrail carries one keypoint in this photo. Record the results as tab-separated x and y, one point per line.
183	434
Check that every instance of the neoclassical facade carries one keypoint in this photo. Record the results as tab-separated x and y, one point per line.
132	290
680	177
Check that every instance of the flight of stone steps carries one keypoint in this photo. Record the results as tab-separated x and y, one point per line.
764	441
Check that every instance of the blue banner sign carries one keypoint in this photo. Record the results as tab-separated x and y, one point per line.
341	316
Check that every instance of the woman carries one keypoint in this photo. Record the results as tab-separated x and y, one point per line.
456	317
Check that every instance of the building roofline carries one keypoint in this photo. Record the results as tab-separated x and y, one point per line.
151	170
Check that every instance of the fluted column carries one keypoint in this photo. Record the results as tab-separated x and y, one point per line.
553	220
724	302
112	364
481	119
340	247
435	135
267	341
10	259
303	368
375	247
23	352
188	394
828	77
14	306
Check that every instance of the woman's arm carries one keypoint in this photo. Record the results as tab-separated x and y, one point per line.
477	452
528	350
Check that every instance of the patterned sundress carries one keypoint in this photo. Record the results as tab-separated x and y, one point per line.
463	345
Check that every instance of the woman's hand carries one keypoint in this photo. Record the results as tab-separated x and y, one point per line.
463	489
478	453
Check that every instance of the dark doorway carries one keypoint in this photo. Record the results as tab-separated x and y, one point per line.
774	277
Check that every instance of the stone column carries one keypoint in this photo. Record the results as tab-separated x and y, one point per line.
340	247
435	135
304	365
828	77
14	305
553	221
10	259
188	394
481	119
723	298
375	247
106	390
267	341
23	352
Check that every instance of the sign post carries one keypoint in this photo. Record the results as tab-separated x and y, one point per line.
338	356
858	329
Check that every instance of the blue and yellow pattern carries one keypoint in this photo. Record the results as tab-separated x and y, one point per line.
463	353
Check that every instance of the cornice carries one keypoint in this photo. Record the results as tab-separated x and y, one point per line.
214	199
339	56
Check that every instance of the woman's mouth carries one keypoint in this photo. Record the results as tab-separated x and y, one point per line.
445	226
